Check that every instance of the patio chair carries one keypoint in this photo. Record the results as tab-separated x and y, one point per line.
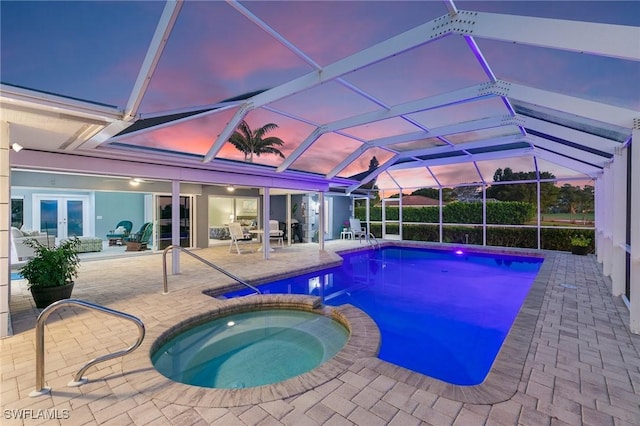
275	233
123	229
238	236
140	240
358	230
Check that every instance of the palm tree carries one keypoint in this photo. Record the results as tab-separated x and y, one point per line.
251	142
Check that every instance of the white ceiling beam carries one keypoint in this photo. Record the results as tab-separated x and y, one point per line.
616	41
571	152
169	123
158	42
567	162
618	116
228	130
57	104
520	152
300	149
463	146
457	96
408	40
347	160
462	127
460	96
374	174
576	136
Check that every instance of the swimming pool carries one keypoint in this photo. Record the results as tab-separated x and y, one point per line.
440	313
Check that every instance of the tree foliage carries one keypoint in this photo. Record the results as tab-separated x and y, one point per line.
525	192
251	142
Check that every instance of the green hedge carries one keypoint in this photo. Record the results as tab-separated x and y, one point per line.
499	213
551	238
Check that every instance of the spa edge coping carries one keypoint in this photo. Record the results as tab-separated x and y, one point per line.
500	384
363	342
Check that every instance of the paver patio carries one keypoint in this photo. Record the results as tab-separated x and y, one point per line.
582	365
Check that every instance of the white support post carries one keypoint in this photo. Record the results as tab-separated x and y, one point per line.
538	223
634	300
289	234
321	220
440	210
5	222
607	246
266	215
619	224
484	214
599	218
175	226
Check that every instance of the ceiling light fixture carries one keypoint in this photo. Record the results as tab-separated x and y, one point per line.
135	182
230	188
16	147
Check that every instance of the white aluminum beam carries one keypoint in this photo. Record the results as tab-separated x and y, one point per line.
571	152
464	159
158	42
227	131
408	40
463	146
622	117
347	160
460	96
581	138
374	174
616	41
300	149
58	104
462	127
569	163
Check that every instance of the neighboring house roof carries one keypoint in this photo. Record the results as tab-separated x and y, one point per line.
414	201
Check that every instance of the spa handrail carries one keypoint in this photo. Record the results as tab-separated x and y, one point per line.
203	260
78	379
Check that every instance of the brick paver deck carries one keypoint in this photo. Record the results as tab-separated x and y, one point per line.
581	363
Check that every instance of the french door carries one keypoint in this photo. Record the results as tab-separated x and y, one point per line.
61	216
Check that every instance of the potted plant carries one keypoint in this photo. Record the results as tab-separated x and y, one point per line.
50	272
580	244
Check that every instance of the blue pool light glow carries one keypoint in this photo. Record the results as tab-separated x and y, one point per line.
439	313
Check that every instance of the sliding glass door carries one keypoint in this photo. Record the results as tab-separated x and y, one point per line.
164	213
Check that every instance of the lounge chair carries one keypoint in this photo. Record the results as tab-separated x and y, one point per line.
358	230
140	240
275	233
238	236
116	236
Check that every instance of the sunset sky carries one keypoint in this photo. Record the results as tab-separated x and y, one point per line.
93	50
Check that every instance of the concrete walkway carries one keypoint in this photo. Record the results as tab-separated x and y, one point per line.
581	364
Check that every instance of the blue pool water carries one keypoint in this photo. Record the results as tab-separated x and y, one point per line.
250	349
439	313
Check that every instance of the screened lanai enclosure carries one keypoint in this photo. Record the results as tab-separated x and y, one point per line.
485	123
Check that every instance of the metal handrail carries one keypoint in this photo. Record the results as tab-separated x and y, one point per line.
370	236
78	379
205	261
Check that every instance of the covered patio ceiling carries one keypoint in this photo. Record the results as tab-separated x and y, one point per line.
428	88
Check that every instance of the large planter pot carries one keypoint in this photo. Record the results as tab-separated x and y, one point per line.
580	250
44	296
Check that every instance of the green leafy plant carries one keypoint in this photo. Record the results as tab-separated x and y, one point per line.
52	266
580	241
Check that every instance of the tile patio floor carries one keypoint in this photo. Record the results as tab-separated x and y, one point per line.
582	365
